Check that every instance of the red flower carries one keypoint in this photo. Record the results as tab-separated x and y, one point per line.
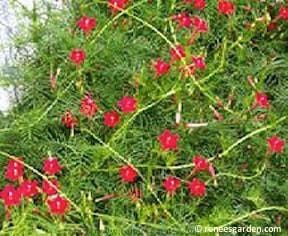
199	62
200	163
10	196
88	107
171	184
261	99
177	53
58	205
199	24
127	104
283	13
48	186
276	144
14	170
168	140
183	20
199	4
29	188
128	174
111	119
226	7
117	5
51	166
69	120
77	56
86	23
197	188
161	67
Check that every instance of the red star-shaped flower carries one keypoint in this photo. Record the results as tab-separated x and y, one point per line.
199	4
283	13
58	205
88	107
117	5
276	144
199	62
200	163
161	67
171	184
197	188
127	104
261	99
183	20
29	188
177	53
226	7
111	119
200	25
48	186
77	56
51	166
10	196
128	174
14	169
86	24
168	140
69	120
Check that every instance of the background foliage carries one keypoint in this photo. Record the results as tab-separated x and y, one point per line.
250	182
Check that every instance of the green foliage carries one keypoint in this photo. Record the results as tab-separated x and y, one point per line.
119	57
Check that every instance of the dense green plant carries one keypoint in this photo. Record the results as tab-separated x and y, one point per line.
242	57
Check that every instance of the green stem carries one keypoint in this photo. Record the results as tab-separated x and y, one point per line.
250	214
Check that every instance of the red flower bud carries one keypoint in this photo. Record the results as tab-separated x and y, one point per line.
69	120
272	26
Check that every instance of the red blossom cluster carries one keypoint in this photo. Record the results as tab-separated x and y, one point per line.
196	187
24	188
88	108
168	140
